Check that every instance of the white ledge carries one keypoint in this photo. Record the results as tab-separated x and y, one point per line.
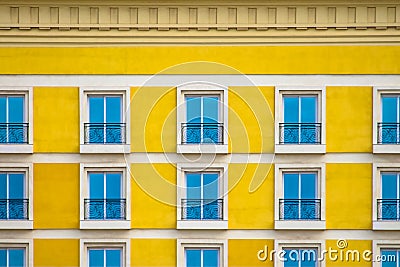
202	149
105	148
16	148
386	148
16	224
386	225
193	224
105	224
300	225
299	149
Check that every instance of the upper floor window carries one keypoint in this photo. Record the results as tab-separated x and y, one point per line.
389	203
389	127
13	196
13	257
13	119
105	257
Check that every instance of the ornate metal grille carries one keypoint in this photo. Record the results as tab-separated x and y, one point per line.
202	209
299	209
14	133
389	209
14	209
105	209
105	133
299	133
202	133
388	133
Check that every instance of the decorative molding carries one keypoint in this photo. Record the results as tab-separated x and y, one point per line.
124	21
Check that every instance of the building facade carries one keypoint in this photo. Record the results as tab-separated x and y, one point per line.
200	134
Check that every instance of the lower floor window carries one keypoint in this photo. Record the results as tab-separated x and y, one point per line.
390	257
300	257
12	257
105	257
199	257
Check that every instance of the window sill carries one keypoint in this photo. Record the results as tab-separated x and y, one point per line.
300	225
202	149
16	224
299	149
386	148
105	148
16	148
192	224
386	225
106	224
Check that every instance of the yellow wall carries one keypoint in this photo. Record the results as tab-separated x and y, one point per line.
153	119
252	197
248	59
153	252
348	196
251	121
243	252
56	252
153	192
345	256
349	119
56	119
56	195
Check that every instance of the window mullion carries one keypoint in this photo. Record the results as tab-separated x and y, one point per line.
201	195
104	119
300	199
299	118
8	195
201	119
201	257
7	120
104	194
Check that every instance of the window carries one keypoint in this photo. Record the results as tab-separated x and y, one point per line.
13	125
202	253
202	118
300	196
299	253
391	257
13	196
12	257
388	253
104	119
389	204
105	196
300	257
389	127
300	192
105	253
300	120
201	196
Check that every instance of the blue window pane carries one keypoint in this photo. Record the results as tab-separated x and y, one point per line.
96	258
210	190
16	257
3	109
113	185
113	109
193	182
193	258
3	186
291	109
16	185
291	185
308	109
15	109
389	186
308	185
193	109
210	258
96	109
389	109
113	258
387	257
210	109
308	258
3	258
291	258
96	185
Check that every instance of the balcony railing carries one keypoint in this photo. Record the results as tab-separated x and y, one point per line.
14	209
299	133
388	209
388	133
202	209
300	209
105	209
105	133
14	133
202	133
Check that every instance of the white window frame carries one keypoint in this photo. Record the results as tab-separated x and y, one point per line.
201	88
84	93
182	168
320	92
378	245
378	168
86	244
26	168
321	178
377	117
183	244
126	183
280	245
27	92
27	244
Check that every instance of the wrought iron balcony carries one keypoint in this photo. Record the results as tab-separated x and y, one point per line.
14	133
299	133
388	133
202	209
14	209
300	209
105	133
202	133
105	209
388	209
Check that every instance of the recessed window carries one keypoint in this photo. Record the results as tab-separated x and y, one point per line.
105	253
13	196
389	203
390	256
299	253
202	257
389	126
202	253
105	257
13	119
13	257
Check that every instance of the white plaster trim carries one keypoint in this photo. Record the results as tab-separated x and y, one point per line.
85	244
26	243
182	244
105	224
299	149
193	224
300	225
105	148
